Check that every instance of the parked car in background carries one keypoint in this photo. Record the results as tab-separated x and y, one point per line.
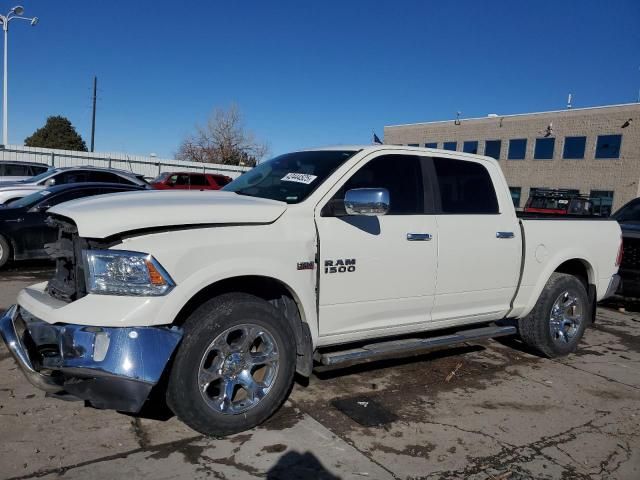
15	171
190	181
67	175
628	216
562	202
23	232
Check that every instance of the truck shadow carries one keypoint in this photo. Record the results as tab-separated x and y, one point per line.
294	465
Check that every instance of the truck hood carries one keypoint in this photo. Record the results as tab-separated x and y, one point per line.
106	215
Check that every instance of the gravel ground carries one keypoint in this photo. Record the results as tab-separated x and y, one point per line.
487	410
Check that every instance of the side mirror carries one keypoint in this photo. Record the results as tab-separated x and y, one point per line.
50	183
371	202
42	207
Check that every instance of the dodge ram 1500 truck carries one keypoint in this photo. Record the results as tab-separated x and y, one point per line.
216	299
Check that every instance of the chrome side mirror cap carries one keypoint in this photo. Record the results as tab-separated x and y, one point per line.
371	202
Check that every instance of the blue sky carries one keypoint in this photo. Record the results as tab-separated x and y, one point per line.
311	73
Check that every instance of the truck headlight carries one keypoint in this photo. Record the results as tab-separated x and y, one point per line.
120	272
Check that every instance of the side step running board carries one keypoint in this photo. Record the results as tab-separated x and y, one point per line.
411	344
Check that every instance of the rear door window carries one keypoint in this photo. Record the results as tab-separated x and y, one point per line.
14	170
465	187
198	180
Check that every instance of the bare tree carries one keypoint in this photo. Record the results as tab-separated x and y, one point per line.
223	139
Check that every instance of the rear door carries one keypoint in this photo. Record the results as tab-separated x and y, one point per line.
479	242
197	181
374	275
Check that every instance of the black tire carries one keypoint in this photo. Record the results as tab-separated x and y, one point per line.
535	329
5	251
206	324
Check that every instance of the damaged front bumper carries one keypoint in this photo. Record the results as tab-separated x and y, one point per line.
109	367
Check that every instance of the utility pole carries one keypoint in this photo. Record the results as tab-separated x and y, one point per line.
93	119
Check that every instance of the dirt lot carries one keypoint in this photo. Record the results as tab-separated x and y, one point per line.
482	411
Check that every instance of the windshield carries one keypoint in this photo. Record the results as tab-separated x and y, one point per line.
37	178
628	213
291	177
161	178
29	200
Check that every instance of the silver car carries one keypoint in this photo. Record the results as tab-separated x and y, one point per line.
15	171
60	176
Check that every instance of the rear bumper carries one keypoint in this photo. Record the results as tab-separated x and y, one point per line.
113	368
630	283
614	284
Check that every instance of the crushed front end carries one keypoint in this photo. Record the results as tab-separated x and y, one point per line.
109	367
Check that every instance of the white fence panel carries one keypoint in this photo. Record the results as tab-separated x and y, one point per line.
142	165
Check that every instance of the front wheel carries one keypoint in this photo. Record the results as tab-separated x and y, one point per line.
234	367
5	251
557	322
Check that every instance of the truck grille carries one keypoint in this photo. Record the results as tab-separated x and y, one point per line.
631	254
67	283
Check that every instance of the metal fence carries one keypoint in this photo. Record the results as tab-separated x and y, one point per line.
148	166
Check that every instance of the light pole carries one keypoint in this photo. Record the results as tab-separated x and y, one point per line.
14	14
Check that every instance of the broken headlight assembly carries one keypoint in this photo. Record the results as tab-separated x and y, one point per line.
120	272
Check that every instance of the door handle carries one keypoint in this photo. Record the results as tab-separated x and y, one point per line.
17	220
419	237
505	235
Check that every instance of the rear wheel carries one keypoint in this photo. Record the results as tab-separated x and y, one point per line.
234	367
557	322
5	251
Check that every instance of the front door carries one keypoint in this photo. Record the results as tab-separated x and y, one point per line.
378	273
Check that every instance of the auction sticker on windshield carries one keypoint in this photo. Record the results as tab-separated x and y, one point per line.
299	178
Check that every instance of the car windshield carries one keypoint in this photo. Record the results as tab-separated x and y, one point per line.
628	213
29	200
37	178
161	178
291	177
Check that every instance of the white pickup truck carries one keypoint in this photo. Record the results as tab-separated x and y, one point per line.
216	299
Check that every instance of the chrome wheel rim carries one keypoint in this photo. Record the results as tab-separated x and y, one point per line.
1	252
566	317
238	369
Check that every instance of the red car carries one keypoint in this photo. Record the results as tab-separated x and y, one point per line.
190	181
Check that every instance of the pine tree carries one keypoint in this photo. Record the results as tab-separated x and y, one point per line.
58	132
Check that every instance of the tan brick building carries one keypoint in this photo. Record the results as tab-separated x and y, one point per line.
595	151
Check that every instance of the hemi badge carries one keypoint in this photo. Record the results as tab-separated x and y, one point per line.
306	265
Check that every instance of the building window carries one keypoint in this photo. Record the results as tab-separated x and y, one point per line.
413	144
431	145
492	148
470	146
608	146
515	195
544	148
574	148
602	201
450	146
517	148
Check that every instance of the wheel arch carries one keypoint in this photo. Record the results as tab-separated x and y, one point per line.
272	290
577	266
583	270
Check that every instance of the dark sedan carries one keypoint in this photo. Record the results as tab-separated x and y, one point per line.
23	231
